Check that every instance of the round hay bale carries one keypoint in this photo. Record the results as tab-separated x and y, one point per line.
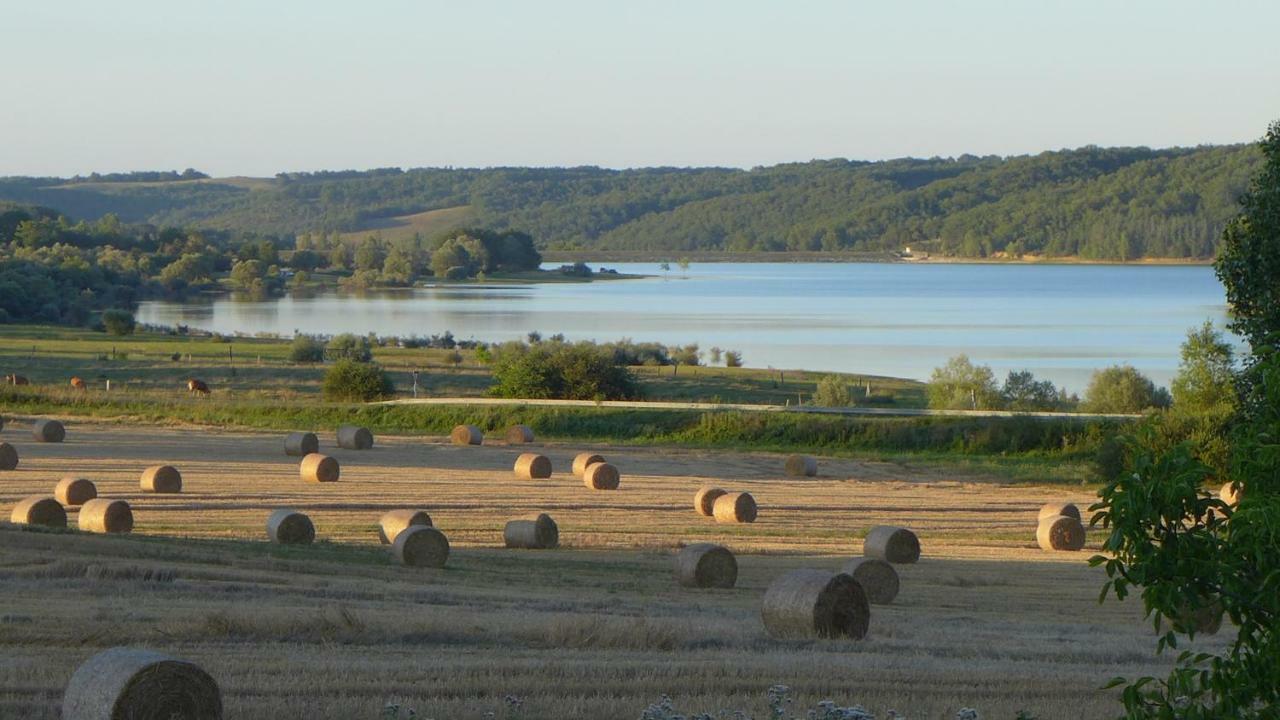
532	466
532	532
50	431
161	479
1059	509
1060	533
1206	620
466	435
519	434
300	444
734	508
39	510
354	437
1231	494
891	544
75	491
704	501
319	468
421	546
394	522
126	683
706	565
601	476
104	515
801	466
809	603
878	579
290	527
582	460
8	456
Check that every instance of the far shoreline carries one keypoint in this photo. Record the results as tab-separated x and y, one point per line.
558	256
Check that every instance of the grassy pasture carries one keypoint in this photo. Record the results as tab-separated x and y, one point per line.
595	629
427	224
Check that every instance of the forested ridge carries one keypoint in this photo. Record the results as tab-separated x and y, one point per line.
1094	203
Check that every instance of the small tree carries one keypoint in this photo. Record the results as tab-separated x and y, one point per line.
1122	389
349	347
306	349
684	266
961	385
714	354
1206	374
832	391
118	322
732	358
352	381
1022	391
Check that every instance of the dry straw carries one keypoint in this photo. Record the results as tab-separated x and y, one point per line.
801	466
532	532
319	468
1057	509
583	460
290	527
519	434
532	466
891	544
601	476
878	579
75	491
466	435
354	437
50	431
704	501
161	479
735	508
394	522
131	684
421	546
809	603
706	565
1060	533
104	515
8	456
299	444
1231	493
39	510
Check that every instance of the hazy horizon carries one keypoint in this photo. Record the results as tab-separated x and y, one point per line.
242	88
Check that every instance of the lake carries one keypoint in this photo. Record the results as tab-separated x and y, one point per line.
1059	321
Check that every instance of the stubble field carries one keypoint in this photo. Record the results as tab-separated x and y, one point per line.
595	629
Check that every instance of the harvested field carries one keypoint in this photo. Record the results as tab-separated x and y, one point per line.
338	629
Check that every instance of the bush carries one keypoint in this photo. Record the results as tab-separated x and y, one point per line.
832	391
348	380
118	322
582	371
732	358
306	349
1023	392
349	347
961	385
1122	389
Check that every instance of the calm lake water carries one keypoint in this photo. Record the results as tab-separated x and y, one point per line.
1060	321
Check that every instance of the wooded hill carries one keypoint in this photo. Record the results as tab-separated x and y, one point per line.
1094	203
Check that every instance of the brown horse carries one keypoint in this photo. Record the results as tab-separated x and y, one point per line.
77	383
197	387
16	380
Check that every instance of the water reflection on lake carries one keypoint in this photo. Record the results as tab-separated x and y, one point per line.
1060	321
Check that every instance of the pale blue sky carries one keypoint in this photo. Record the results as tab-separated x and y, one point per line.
255	87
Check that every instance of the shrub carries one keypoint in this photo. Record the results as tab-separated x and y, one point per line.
349	347
732	358
832	391
348	380
581	371
1122	389
961	385
306	349
118	322
1022	391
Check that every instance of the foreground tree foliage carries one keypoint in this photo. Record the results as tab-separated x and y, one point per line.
1190	556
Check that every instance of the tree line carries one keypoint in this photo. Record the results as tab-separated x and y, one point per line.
1091	202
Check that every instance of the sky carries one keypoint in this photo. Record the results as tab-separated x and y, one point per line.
254	88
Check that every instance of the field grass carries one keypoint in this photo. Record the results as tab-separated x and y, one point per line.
426	224
595	629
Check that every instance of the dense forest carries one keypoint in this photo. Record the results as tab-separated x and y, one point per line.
1096	203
